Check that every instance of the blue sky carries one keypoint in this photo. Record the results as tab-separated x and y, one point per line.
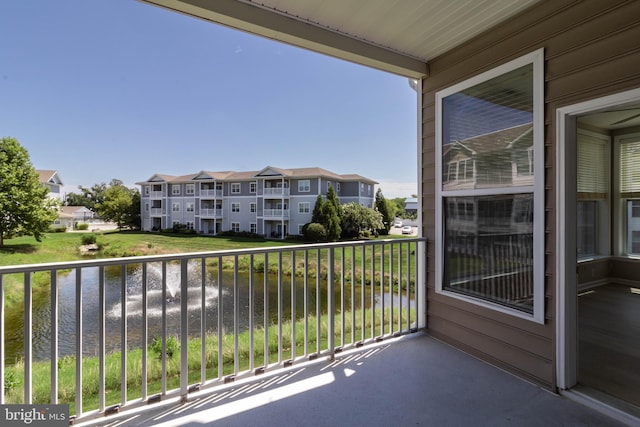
107	89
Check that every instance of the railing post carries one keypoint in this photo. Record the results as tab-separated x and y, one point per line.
28	346
2	338
123	334
330	304
78	342
54	337
421	283
184	329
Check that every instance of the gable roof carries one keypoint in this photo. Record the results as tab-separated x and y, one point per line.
269	171
47	176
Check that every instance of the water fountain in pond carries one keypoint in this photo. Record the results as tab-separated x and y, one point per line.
172	298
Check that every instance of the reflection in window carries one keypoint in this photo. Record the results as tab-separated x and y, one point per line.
490	256
587	227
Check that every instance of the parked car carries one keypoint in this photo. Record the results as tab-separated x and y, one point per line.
397	223
407	229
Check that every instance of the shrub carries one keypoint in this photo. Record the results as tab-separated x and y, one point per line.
173	346
11	380
88	239
81	226
314	232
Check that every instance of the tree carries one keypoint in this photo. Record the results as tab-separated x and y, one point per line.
119	205
358	221
331	214
382	207
316	216
25	207
89	197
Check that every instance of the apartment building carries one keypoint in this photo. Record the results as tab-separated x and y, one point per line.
273	202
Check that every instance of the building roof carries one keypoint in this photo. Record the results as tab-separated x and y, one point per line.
269	171
47	176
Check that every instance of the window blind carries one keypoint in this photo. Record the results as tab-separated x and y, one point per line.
630	169
593	168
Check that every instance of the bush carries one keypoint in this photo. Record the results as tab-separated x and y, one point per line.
314	232
57	229
11	380
173	346
81	226
88	239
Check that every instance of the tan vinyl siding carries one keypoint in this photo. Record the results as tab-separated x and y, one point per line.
592	49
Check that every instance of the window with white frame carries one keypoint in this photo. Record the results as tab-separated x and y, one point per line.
190	189
147	189
253	207
190	225
252	187
235	188
338	187
304	186
235	227
489	199
235	207
253	228
304	207
146	207
175	207
190	207
175	189
629	184
593	194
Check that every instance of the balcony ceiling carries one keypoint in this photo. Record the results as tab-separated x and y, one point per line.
398	36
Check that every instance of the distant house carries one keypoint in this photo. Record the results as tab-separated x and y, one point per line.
51	180
411	205
70	215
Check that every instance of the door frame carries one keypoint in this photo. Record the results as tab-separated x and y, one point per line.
566	259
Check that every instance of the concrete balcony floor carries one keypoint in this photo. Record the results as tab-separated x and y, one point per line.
408	381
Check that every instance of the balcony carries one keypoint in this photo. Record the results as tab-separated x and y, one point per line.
211	213
157	211
191	323
212	194
275	213
275	192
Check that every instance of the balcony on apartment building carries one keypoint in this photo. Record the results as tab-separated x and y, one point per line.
275	213
210	193
335	336
211	212
275	192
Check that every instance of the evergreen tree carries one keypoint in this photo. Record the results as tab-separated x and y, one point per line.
332	211
316	216
381	206
25	207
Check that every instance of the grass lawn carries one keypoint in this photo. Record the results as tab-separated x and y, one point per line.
57	247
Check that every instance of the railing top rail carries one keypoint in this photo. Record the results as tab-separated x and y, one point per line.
24	268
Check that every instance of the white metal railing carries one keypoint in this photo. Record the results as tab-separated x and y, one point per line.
156	211
275	213
211	212
275	191
185	322
211	193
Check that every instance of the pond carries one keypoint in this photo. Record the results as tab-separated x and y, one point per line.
216	296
